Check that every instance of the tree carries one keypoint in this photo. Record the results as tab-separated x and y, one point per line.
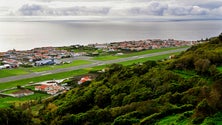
202	65
103	96
220	37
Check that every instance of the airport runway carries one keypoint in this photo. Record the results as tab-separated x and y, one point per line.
95	63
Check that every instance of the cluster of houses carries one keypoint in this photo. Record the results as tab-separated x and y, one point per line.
143	44
50	88
36	57
52	55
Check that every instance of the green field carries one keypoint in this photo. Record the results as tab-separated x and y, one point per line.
160	57
112	57
22	71
12	72
5	102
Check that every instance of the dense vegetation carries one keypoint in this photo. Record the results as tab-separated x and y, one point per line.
189	86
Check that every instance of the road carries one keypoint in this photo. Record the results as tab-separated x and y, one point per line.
95	63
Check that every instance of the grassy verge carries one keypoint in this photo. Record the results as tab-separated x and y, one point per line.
112	57
5	102
160	57
12	72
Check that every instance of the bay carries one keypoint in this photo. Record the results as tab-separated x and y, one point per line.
28	35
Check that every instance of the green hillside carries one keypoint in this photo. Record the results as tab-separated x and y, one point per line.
182	91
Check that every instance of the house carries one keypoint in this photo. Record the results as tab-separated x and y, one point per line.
84	79
50	88
11	63
23	92
43	88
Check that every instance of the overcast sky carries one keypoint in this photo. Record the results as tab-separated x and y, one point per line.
124	9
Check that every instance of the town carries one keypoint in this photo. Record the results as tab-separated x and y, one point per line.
53	55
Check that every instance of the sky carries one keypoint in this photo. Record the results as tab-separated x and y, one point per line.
111	10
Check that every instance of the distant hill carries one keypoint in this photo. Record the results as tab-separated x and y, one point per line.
184	90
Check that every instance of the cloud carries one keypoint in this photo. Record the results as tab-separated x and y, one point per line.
196	10
42	10
29	10
119	8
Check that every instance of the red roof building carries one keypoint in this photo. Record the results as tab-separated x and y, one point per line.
84	79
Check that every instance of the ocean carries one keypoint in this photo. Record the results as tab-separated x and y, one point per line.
28	35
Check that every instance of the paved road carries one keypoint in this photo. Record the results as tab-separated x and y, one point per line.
95	63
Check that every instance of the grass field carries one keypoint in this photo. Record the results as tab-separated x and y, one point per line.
12	72
22	71
112	57
5	102
160	57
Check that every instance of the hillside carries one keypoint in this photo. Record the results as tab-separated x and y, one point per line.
184	90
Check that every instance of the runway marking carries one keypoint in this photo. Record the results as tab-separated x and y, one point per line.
40	72
46	73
